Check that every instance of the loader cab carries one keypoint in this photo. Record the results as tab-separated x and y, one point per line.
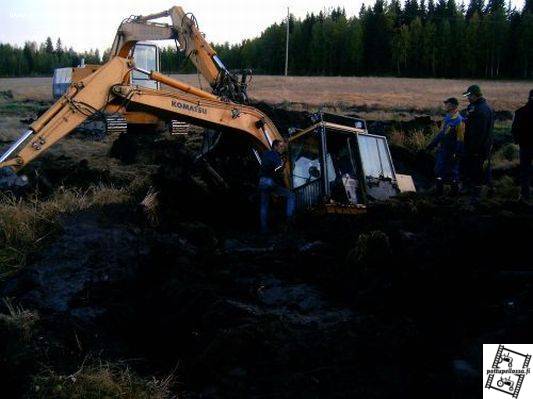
337	163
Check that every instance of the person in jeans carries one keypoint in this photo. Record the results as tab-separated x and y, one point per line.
522	130
271	173
450	144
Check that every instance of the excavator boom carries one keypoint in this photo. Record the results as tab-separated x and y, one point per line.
109	86
103	90
82	100
184	29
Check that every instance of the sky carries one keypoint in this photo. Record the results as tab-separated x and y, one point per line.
92	24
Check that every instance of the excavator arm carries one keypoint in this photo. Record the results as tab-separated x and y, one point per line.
109	85
192	43
82	100
108	89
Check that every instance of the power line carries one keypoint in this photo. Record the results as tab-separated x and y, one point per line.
287	45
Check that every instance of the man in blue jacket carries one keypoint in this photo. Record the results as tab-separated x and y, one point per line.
450	148
478	140
269	177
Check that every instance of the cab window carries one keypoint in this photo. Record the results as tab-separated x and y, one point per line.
305	159
375	157
145	57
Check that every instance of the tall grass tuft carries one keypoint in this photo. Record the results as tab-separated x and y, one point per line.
18	319
415	140
103	380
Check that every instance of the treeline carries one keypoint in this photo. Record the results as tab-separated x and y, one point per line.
418	38
33	59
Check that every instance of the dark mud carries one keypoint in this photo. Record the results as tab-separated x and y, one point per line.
284	119
393	303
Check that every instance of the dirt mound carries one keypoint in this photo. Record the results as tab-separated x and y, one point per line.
87	255
219	189
138	145
52	172
503	115
422	123
284	119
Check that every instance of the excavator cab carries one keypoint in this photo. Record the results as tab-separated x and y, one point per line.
335	162
145	54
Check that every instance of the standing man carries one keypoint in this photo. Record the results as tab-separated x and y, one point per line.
270	175
522	130
450	142
478	139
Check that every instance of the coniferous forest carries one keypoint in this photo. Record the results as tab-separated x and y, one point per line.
417	38
33	59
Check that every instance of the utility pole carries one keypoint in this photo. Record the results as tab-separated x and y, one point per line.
287	45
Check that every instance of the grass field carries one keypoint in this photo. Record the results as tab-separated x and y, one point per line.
423	95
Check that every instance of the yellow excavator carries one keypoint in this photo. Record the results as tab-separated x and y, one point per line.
334	163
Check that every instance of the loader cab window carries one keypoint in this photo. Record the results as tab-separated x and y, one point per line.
375	156
146	56
304	154
378	171
343	170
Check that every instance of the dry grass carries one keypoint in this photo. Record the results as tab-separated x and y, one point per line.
416	140
98	381
28	88
383	93
19	319
10	128
506	157
150	205
339	92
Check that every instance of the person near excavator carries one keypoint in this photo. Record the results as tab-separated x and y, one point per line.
450	143
270	182
522	130
479	123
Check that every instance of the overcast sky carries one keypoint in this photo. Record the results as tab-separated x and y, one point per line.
92	24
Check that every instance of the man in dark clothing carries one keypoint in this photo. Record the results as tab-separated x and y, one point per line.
478	139
271	170
522	130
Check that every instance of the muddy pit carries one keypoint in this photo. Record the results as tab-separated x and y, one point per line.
390	304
